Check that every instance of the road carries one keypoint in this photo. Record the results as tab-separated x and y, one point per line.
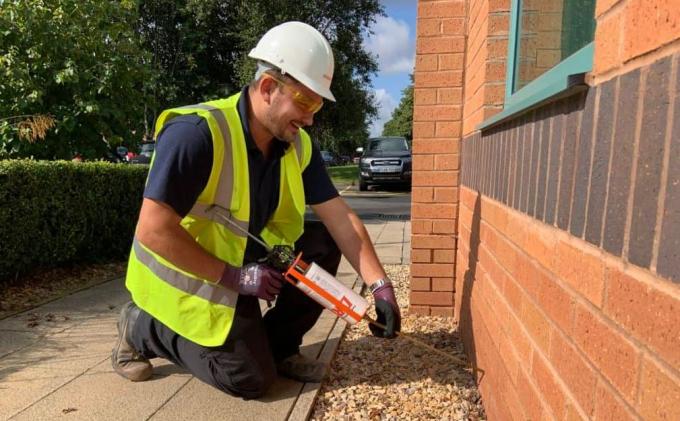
375	204
379	204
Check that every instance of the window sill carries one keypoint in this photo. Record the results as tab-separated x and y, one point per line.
562	80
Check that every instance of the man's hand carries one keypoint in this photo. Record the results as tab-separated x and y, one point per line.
387	309
253	279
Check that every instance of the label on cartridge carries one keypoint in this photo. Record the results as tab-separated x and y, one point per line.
339	292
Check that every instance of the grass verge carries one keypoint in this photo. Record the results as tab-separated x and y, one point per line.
346	174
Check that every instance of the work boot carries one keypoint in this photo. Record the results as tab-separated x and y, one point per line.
124	358
300	368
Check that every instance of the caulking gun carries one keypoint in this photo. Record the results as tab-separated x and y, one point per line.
321	286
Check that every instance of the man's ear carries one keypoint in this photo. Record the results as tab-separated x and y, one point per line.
266	88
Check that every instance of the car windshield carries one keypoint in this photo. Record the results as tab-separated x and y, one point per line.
388	144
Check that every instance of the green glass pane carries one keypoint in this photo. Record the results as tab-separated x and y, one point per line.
548	32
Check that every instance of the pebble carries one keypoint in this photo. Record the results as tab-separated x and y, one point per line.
377	379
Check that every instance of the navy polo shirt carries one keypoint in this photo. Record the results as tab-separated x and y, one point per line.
183	161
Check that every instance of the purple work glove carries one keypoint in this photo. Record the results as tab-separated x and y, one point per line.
387	309
253	279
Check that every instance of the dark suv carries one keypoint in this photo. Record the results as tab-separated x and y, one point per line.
386	160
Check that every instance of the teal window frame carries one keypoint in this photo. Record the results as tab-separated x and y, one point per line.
548	85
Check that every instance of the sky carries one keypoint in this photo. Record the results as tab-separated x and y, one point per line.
394	44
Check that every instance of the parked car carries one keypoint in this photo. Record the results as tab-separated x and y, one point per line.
385	160
330	158
145	153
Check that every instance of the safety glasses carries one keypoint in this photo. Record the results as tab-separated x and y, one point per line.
303	101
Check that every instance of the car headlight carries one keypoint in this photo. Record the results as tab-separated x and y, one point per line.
366	161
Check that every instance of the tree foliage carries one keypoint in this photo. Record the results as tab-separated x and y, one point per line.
201	48
78	62
105	70
401	123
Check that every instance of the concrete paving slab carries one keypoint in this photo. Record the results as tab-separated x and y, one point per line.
100	394
198	401
11	341
54	360
305	401
20	390
69	311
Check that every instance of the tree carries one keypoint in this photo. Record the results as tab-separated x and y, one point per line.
194	47
79	62
201	49
103	71
401	123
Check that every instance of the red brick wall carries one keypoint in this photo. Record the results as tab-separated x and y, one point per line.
487	49
437	113
567	270
561	329
632	33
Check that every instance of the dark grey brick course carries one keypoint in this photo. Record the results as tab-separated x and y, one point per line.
478	162
487	165
650	158
497	165
506	164
668	262
475	165
529	161
502	177
543	163
622	157
512	132
519	134
570	164
600	170
554	166
583	158
571	139
535	156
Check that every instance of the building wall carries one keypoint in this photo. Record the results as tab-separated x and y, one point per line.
437	115
567	269
632	34
486	52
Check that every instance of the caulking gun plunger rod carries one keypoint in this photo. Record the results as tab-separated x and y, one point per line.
365	317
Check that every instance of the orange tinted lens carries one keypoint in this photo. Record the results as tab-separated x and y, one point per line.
306	103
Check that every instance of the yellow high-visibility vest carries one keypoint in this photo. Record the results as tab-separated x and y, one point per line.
196	308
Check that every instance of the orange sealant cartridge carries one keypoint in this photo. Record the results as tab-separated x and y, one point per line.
323	288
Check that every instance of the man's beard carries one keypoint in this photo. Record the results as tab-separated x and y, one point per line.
276	130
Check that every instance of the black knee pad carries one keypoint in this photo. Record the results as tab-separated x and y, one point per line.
251	383
247	376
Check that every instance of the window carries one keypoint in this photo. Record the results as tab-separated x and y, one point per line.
549	41
388	144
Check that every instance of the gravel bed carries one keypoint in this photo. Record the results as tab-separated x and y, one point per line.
379	379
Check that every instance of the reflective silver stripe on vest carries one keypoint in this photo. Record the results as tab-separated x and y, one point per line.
225	184
217	214
213	293
298	149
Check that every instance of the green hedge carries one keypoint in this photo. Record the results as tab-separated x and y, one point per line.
56	212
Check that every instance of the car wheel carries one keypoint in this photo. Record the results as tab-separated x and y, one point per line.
363	186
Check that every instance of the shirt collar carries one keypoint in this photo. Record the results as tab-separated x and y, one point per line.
280	146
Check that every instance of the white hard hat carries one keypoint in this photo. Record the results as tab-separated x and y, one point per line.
301	51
